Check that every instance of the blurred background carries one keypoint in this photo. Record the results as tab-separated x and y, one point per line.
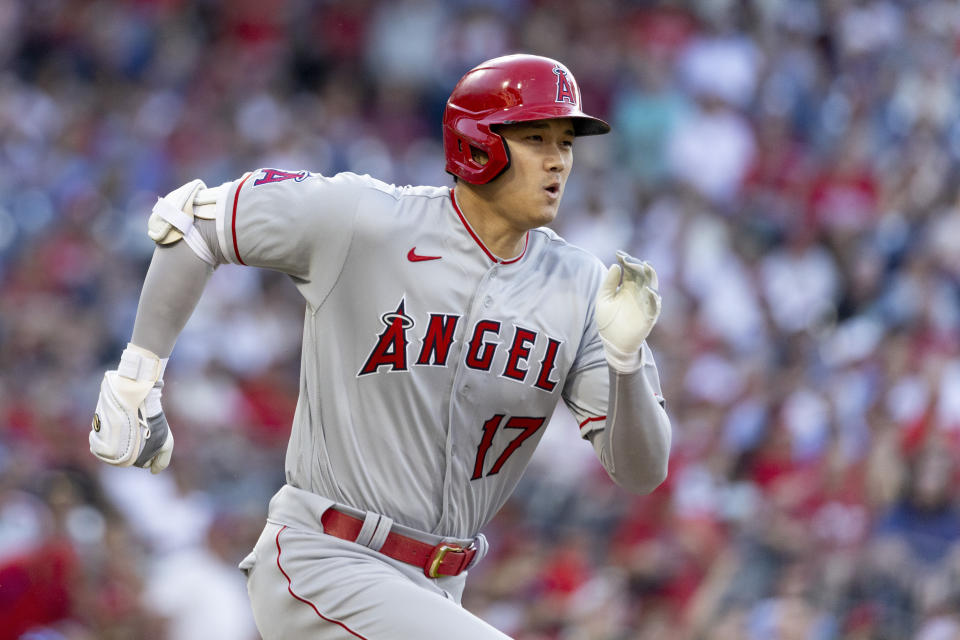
790	168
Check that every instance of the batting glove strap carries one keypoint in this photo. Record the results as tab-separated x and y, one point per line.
620	361
172	215
137	363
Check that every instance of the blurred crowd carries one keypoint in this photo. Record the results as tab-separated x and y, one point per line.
788	166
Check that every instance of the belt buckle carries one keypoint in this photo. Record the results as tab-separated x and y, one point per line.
439	552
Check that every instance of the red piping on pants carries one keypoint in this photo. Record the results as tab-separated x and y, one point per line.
304	600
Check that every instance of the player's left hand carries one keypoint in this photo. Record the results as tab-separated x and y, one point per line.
628	306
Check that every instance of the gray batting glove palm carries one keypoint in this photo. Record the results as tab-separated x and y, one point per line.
628	306
129	427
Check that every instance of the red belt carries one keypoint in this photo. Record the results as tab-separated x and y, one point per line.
442	559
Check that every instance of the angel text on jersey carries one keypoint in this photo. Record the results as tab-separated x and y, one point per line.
391	348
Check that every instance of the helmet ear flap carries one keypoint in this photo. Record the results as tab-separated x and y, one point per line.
463	135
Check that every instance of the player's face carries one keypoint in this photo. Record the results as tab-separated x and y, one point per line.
528	193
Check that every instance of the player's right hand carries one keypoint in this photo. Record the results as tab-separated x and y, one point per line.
129	427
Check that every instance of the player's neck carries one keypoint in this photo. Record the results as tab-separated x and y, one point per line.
495	232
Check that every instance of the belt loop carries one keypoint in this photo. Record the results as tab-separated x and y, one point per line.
482	547
370	522
381	533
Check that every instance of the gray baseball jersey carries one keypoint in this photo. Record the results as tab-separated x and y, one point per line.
430	367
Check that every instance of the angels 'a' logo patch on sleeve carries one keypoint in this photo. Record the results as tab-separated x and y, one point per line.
269	176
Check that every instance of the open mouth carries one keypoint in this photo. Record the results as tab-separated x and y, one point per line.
553	189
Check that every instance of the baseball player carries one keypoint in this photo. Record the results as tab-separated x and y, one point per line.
442	326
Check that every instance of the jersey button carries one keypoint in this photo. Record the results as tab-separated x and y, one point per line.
487	301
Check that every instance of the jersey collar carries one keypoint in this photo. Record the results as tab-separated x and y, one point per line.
476	238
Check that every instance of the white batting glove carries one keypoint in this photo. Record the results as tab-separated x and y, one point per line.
628	306
129	427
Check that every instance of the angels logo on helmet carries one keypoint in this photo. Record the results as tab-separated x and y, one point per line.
565	92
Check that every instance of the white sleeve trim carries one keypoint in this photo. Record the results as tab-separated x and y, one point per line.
588	426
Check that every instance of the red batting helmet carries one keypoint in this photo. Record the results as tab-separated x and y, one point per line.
517	88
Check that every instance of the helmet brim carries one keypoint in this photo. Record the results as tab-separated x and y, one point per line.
590	126
583	125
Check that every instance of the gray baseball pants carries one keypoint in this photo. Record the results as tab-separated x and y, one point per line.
306	584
